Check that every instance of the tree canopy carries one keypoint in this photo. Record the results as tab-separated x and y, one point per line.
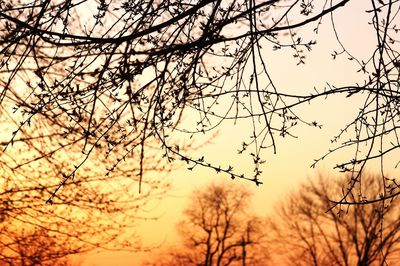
113	80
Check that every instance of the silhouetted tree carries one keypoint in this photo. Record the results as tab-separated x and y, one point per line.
96	210
34	248
93	212
310	232
218	230
101	207
120	76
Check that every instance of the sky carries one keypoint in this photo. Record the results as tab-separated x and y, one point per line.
286	169
291	164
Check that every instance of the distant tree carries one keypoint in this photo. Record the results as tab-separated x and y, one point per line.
121	76
88	215
308	231
34	248
93	211
217	230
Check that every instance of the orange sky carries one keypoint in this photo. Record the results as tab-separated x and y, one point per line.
284	170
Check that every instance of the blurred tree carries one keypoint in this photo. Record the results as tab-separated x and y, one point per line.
34	248
120	76
93	212
98	209
308	231
218	230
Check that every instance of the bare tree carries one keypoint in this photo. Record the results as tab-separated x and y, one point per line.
218	230
310	232
34	248
94	212
120	77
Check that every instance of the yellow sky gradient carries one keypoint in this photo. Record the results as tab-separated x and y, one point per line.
284	170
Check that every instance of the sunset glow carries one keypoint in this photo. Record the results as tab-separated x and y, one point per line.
199	132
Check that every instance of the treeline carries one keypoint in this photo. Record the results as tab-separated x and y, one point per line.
307	228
